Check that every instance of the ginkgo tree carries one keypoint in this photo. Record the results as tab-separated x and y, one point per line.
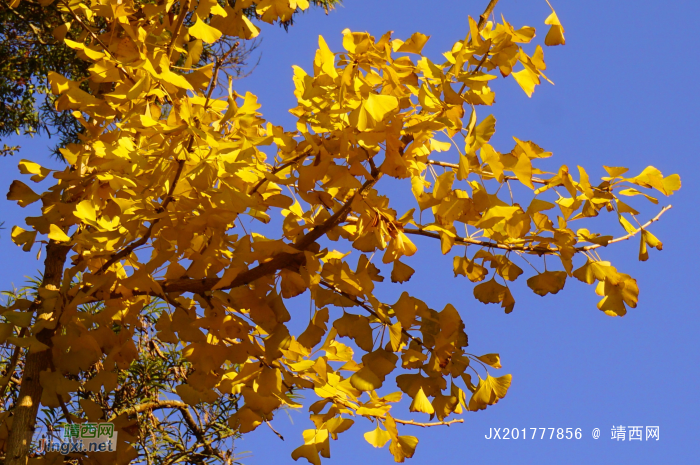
151	205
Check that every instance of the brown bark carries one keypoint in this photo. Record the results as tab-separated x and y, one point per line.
487	12
27	406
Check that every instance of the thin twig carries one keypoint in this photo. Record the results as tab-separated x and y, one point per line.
628	236
186	415
274	431
487	12
215	74
134	245
284	260
87	29
478	67
371	311
485	173
184	9
276	170
469	241
524	248
426	425
482	22
278	262
13	365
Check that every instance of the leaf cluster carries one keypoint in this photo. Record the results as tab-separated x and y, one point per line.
31	45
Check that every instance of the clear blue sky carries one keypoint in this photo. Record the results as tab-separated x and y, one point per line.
625	95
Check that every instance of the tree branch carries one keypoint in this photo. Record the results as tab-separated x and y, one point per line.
487	12
285	260
425	425
12	366
628	236
484	173
337	218
523	248
186	415
94	36
371	311
482	22
274	430
278	262
27	405
126	251
488	244
184	9
277	169
215	74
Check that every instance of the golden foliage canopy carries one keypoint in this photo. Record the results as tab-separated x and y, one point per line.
152	202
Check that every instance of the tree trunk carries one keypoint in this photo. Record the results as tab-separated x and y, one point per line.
27	405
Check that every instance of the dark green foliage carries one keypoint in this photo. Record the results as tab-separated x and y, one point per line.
29	51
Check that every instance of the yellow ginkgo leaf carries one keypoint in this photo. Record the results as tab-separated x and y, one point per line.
489	391
527	80
23	238
245	420
629	227
483	132
307	451
414	44
493	360
235	24
401	272
523	170
377	437
395	336
472	270
421	403
652	240
59	32
205	32
378	106
403	447
549	282
490	292
365	380
57	234
643	253
443	185
29	167
555	35
325	59
23	319
615	171
85	210
508	302
22	194
356	327
493	160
